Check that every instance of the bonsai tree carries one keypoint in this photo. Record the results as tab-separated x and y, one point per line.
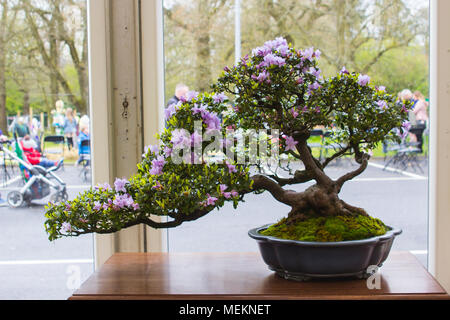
277	90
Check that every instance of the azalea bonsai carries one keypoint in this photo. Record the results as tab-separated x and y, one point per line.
277	94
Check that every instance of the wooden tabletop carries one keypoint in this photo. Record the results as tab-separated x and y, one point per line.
244	276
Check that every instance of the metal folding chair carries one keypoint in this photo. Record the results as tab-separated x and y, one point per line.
58	150
406	155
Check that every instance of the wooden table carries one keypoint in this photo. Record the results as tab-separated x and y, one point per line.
244	276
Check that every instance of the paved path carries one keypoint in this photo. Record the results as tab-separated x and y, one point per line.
32	267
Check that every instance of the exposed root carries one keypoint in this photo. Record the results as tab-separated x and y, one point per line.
317	201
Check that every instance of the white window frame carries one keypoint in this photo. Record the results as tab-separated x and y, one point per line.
439	172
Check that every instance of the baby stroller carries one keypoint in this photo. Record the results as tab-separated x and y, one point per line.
38	181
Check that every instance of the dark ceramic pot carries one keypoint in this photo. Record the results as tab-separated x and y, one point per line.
301	260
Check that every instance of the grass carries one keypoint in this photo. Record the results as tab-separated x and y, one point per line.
328	229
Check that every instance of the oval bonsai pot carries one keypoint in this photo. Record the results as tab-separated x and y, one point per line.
302	260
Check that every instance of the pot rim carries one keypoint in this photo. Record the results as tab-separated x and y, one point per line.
254	233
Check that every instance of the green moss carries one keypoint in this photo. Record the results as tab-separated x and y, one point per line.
328	229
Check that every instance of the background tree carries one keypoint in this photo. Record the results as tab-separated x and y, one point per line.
43	56
7	32
55	28
197	41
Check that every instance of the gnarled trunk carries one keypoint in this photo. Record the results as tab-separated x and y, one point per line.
319	201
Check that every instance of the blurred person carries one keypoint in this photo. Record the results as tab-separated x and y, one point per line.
84	122
407	95
420	111
3	138
180	91
420	108
58	117
70	128
35	130
20	128
84	135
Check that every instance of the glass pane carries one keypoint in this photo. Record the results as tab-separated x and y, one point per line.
386	39
44	121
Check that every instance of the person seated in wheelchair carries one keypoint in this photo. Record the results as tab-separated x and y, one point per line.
34	157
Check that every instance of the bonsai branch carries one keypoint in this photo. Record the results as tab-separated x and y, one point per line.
346	177
311	164
300	176
265	183
178	220
335	156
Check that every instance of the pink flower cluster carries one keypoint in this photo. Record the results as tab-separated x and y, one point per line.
120	201
157	165
228	195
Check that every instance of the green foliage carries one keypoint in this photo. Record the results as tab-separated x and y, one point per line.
328	229
178	190
362	115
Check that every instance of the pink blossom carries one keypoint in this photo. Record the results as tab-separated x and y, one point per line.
157	186
382	104
406	125
167	152
308	53
196	139
119	185
344	71
290	143
66	227
196	109
97	205
294	113
272	59
314	86
231	168
180	138
363	80
104	186
157	166
219	97
191	95
210	201
262	76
